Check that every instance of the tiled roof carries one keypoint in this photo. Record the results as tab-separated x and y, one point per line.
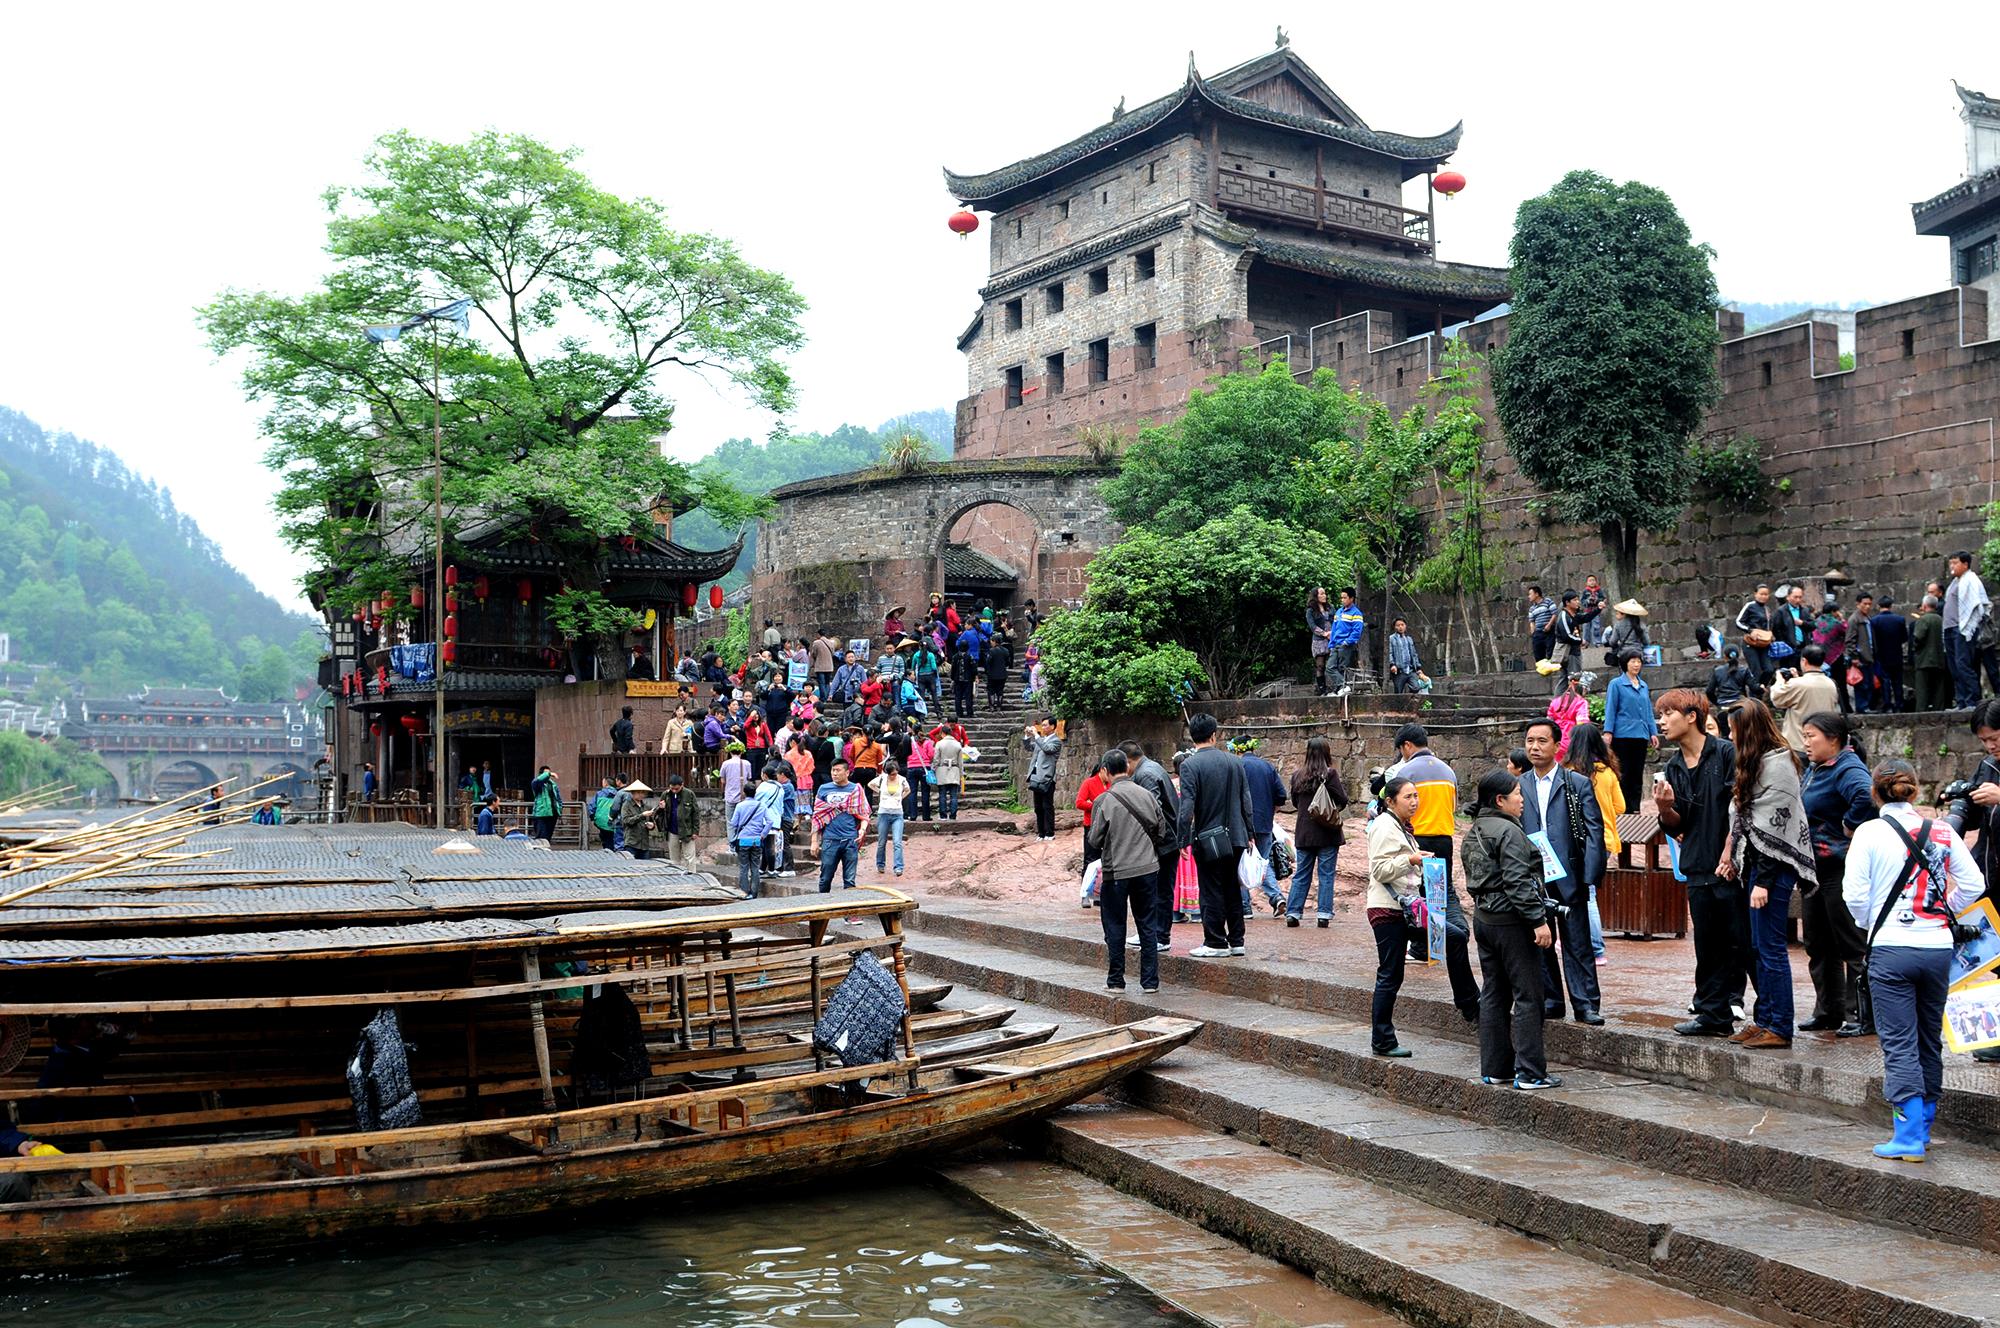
1457	281
483	681
1938	215
1144	229
962	562
984	188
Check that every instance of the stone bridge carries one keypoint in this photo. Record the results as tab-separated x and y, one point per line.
843	550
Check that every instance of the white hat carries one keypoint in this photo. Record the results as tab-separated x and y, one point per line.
636	786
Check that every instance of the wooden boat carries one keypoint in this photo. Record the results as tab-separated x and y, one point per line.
227	1125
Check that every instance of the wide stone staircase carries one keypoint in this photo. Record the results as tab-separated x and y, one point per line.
1667	1182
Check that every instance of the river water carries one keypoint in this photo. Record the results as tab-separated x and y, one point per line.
876	1256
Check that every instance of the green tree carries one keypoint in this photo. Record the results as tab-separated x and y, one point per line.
1098	663
1454	441
1609	363
266	677
553	405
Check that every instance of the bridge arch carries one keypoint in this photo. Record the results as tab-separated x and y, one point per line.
183	777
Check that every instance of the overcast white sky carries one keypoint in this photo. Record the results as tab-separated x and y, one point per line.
159	153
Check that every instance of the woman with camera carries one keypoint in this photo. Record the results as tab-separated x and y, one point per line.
1503	873
1839	799
1770	849
1907	877
1395	877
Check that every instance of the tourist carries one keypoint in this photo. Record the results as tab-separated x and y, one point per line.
677	819
1975	810
891	791
1754	621
1894	893
1804	691
1267	794
368	781
1791	627
805	706
892	624
1404	666
749	823
1031	658
1541	623
1591	757
1395	877
1153	777
1590	609
1829	633
1345	641
963	669
547	803
679	735
1214	820
1043	744
1087	794
777	709
1437	806
1770	851
1319	626
781	801
1967	615
1728	685
1838	797
597	810
1927	657
1568	707
1859	675
1517	762
1317	832
845	685
638	821
922	752
489	816
865	759
485	779
1125	835
1503	873
736	775
1561	806
947	771
820	657
839	827
999	662
1630	725
1627	633
799	755
715	729
1692	798
621	732
756	741
1891	631
924	662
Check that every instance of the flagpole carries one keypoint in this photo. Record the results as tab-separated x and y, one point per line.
437	582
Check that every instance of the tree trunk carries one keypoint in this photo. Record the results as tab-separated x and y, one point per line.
1620	543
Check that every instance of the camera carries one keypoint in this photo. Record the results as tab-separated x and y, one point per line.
1956	800
1554	908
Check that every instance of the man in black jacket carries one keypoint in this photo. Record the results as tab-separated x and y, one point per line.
621	732
1214	820
1561	804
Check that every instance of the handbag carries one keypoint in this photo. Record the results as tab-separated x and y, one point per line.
1758	637
1324	808
1854	675
1213	844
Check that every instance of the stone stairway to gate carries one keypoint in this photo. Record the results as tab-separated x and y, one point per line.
1669	1181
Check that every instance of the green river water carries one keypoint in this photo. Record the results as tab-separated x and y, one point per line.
897	1256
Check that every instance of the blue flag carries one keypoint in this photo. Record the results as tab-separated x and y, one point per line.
458	312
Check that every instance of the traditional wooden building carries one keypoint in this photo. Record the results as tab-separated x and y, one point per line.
162	742
1968	213
1250	209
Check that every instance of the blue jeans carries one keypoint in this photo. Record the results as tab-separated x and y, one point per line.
1321	860
1269	885
1596	927
1908	984
846	855
750	868
947	796
1767	943
886	825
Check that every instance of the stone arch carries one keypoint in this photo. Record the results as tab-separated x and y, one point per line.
182	777
296	785
1001	557
965	505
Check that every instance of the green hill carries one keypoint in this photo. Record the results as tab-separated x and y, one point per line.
103	578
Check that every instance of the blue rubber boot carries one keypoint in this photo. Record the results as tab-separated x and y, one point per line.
1930	1105
1908	1143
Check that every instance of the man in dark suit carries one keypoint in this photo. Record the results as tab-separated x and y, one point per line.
1891	631
1215	821
1561	802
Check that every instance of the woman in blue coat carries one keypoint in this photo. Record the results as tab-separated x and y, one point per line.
1629	723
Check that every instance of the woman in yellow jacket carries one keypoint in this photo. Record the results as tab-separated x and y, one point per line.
1591	755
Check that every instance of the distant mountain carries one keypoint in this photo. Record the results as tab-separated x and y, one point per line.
102	577
761	466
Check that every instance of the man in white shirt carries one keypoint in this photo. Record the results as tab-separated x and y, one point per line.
1966	611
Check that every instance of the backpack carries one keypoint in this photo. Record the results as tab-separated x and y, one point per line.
600	811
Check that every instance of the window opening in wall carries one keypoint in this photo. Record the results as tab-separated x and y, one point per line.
1062	209
1145	343
1017	228
1909	342
1055	298
1052	373
1100	360
1100	280
1364	193
1399	378
1767	373
1014	387
1144	263
1339	350
1982	259
1014	315
1272	174
1152	167
1239	165
1107	196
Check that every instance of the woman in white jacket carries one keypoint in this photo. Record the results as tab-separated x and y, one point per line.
1906	877
1395	873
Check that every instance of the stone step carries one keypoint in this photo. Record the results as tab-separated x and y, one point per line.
1635	1045
1791	1264
1785	1156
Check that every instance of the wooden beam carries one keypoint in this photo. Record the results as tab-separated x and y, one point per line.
531	972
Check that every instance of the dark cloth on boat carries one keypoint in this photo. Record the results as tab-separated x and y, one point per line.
864	1015
378	1077
610	1044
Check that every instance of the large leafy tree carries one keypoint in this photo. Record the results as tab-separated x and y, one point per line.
553	403
1609	364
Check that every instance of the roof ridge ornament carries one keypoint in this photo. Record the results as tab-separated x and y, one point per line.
1194	75
1284	38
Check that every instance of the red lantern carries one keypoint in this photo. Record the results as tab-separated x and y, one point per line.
451	652
715	597
964	222
1448	182
689	593
374	624
451	602
450	626
361	615
451	574
416	597
526	590
411	723
374	730
480	586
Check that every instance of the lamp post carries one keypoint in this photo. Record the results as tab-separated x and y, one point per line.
459	312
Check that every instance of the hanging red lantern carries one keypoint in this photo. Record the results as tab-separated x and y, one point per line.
416	597
715	597
374	730
1448	182
451	602
689	592
451	574
451	652
526	590
964	222
361	615
450	626
374	624
480	586
411	723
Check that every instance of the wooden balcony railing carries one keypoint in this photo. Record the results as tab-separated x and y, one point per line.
1323	209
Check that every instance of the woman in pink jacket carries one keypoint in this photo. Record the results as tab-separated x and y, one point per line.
1568	709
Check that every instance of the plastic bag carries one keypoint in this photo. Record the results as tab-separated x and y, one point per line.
1090	877
1250	868
1284	856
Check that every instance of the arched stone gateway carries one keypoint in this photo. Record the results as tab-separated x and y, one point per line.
843	550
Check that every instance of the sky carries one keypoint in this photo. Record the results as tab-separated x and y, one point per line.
159	154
